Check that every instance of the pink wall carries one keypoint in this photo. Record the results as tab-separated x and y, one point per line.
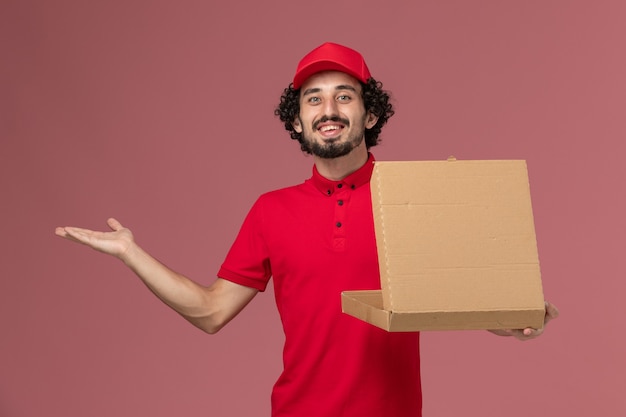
160	113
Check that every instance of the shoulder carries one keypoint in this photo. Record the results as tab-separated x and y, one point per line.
285	202
285	194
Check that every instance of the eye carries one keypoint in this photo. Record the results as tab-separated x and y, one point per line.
313	100
344	98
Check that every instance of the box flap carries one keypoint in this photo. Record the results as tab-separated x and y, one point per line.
455	236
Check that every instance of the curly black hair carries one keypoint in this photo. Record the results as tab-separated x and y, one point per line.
375	99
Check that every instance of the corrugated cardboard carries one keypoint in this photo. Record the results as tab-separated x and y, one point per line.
456	246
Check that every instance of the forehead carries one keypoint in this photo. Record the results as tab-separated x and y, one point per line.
330	80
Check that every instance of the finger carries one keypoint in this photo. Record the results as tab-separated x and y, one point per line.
60	231
519	334
77	233
114	224
67	232
551	312
532	332
73	234
528	334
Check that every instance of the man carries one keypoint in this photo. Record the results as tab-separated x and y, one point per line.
315	240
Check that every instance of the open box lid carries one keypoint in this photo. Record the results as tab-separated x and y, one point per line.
456	246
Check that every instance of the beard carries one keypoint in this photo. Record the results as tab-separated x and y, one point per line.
334	148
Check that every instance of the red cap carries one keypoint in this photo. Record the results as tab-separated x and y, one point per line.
331	57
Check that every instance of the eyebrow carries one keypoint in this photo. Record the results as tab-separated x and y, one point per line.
337	88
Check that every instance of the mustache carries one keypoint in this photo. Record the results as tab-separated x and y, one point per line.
325	119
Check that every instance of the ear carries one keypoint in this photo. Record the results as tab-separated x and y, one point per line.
370	120
297	124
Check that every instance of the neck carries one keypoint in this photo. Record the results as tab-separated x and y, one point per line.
336	169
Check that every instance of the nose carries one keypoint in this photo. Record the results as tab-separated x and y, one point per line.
330	108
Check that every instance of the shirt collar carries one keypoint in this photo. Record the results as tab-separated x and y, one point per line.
358	178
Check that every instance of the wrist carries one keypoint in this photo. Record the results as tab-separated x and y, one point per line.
130	254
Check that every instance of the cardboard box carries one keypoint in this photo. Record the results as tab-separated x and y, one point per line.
456	246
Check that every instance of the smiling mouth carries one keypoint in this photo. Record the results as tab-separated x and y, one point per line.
330	128
330	131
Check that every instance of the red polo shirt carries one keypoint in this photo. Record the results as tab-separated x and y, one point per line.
316	240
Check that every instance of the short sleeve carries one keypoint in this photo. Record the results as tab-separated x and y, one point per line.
247	262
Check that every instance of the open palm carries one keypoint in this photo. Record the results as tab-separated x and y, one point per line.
116	242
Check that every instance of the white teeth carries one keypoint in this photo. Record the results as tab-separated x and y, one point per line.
327	128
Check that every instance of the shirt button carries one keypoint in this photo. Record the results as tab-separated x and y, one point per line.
353	186
340	202
338	224
339	185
